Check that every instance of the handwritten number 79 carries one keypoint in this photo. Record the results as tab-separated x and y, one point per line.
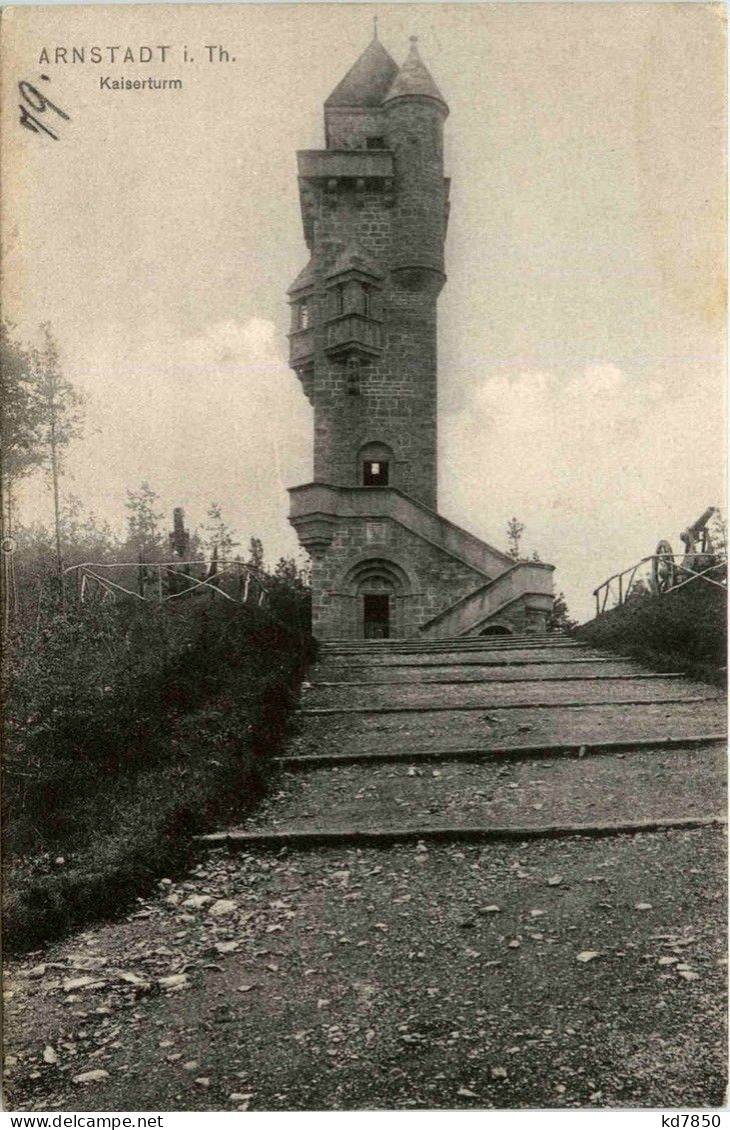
38	102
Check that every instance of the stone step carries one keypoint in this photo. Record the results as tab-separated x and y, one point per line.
338	672
472	672
388	692
459	658
502	754
240	840
642	786
403	732
403	698
464	644
486	640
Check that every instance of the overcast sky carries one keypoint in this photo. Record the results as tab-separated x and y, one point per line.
581	329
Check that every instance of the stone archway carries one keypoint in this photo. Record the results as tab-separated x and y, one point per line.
379	589
496	630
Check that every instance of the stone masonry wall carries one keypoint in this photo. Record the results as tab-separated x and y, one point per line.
349	128
436	579
397	400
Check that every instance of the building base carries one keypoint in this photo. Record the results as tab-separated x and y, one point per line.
385	566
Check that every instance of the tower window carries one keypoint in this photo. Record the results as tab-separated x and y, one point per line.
353	376
375	143
303	315
374	474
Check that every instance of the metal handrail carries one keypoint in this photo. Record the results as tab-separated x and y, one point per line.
679	562
215	570
149	564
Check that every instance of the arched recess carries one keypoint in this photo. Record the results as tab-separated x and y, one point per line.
375	465
496	630
379	589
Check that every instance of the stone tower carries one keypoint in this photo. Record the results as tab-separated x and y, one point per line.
363	343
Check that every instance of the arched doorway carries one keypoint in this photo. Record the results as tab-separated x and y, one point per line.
379	589
495	630
376	611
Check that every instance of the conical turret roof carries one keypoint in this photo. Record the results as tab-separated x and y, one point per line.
413	78
368	80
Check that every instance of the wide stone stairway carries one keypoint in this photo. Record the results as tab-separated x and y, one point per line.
488	739
348	948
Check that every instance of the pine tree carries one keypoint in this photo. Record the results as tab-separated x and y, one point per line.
256	554
559	619
515	530
60	414
21	449
218	536
144	537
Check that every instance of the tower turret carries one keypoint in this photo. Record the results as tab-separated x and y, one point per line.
416	112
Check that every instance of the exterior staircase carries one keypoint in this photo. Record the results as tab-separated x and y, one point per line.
493	601
491	589
488	739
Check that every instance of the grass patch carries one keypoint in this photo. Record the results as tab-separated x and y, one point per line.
683	630
129	730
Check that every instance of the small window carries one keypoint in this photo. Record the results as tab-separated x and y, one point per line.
303	315
374	474
366	303
375	143
353	376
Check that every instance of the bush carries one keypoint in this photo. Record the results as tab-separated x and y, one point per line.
682	630
129	729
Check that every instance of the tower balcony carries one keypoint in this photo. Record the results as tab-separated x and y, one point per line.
354	334
301	347
324	164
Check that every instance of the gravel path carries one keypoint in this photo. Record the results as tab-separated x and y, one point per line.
662	784
458	730
343	979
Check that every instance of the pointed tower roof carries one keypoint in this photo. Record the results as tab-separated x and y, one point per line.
304	279
413	78
367	81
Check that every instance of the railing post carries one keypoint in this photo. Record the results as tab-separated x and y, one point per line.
620	589
159	584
